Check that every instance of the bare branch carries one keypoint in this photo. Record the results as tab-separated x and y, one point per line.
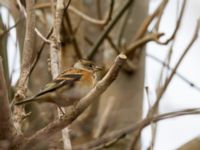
92	20
153	127
162	91
141	41
102	142
109	28
37	57
12	27
36	29
28	53
74	41
177	25
103	22
193	85
6	124
142	30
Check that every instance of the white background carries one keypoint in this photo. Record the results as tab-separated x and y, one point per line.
174	132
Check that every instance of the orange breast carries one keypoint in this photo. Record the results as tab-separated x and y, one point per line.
87	79
79	89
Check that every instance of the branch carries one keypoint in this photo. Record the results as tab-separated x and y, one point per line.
6	124
35	28
177	25
102	142
141	41
162	91
12	27
73	37
55	45
82	15
109	28
193	85
142	30
37	57
92	20
72	114
27	57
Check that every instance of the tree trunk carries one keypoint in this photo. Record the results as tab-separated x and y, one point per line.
127	90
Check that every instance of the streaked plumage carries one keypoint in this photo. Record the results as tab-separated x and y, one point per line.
69	86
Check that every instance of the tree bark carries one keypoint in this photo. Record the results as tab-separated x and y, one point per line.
6	124
193	144
127	91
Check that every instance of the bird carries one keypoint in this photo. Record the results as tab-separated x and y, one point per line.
69	86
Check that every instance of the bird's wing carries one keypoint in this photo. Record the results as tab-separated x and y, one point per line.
62	80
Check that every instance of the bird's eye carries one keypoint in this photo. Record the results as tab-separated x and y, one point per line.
90	65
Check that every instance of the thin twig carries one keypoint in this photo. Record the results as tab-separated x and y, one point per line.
37	57
41	36
36	29
73	38
103	22
177	25
159	16
108	28
153	128
166	61
123	27
190	83
162	91
112	44
92	20
143	28
12	27
141	41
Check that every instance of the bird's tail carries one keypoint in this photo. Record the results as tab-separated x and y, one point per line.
32	99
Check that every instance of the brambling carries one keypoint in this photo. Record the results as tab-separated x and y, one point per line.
69	86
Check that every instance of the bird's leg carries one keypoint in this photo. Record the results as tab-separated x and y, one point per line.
49	64
61	110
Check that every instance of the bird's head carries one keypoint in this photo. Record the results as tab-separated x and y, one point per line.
86	65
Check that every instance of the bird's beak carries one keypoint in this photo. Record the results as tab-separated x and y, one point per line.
97	68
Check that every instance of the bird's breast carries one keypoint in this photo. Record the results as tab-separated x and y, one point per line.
78	90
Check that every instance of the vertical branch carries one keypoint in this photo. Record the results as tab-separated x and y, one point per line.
6	124
74	41
55	46
55	49
27	57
